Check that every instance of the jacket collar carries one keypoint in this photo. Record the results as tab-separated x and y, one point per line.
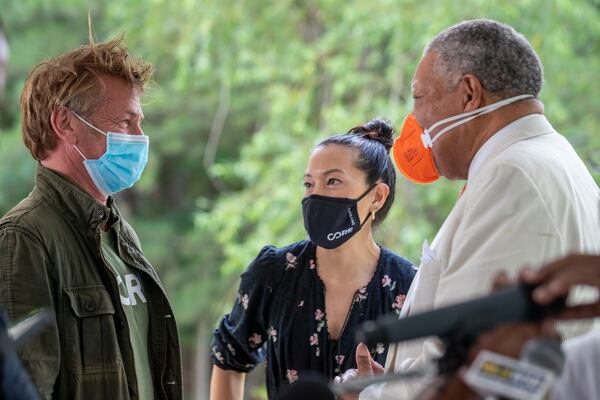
77	205
523	128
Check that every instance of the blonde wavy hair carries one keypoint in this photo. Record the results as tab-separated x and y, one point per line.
72	80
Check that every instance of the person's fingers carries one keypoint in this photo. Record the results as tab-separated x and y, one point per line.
548	329
559	284
501	280
546	293
527	274
536	276
345	377
378	369
556	279
349	375
506	339
573	266
581	311
364	362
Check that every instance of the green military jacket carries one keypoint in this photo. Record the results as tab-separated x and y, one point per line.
50	256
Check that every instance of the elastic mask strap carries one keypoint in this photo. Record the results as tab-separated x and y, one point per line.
80	153
88	124
468	116
365	221
365	193
360	198
91	126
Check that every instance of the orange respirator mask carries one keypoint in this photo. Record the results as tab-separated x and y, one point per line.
412	150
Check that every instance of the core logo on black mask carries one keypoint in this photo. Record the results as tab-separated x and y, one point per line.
331	221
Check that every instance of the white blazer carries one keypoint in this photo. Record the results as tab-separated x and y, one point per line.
529	202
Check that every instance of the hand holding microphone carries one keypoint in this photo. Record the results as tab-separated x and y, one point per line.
556	280
461	324
541	294
467	319
552	282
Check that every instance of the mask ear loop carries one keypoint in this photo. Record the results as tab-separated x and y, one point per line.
454	125
88	124
468	116
367	192
372	213
488	108
365	221
80	153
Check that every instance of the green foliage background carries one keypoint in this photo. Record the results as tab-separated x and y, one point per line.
244	89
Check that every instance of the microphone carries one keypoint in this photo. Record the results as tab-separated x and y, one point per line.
529	378
468	319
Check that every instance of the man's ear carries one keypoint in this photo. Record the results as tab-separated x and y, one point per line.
63	123
472	93
381	192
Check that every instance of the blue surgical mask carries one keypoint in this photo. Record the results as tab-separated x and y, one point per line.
121	166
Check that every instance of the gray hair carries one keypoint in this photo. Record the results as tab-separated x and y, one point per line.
499	56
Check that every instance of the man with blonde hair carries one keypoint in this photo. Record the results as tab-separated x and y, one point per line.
66	246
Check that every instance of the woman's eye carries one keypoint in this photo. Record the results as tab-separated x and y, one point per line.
333	181
307	185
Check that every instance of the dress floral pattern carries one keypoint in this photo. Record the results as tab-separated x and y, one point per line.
279	316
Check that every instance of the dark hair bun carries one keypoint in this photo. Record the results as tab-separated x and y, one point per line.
378	129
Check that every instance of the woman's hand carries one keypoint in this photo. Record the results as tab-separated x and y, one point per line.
366	367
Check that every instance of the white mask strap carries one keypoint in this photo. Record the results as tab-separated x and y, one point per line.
79	151
91	126
87	123
468	116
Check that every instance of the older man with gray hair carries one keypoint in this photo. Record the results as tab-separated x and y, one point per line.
529	198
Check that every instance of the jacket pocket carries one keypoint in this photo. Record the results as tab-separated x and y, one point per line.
92	345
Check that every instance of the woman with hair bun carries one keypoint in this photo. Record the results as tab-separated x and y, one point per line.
299	306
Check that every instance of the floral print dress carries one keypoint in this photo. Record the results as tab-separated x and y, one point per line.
279	315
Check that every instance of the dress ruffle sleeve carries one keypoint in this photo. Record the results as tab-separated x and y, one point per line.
239	341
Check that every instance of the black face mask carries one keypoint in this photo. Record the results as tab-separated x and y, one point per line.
331	221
